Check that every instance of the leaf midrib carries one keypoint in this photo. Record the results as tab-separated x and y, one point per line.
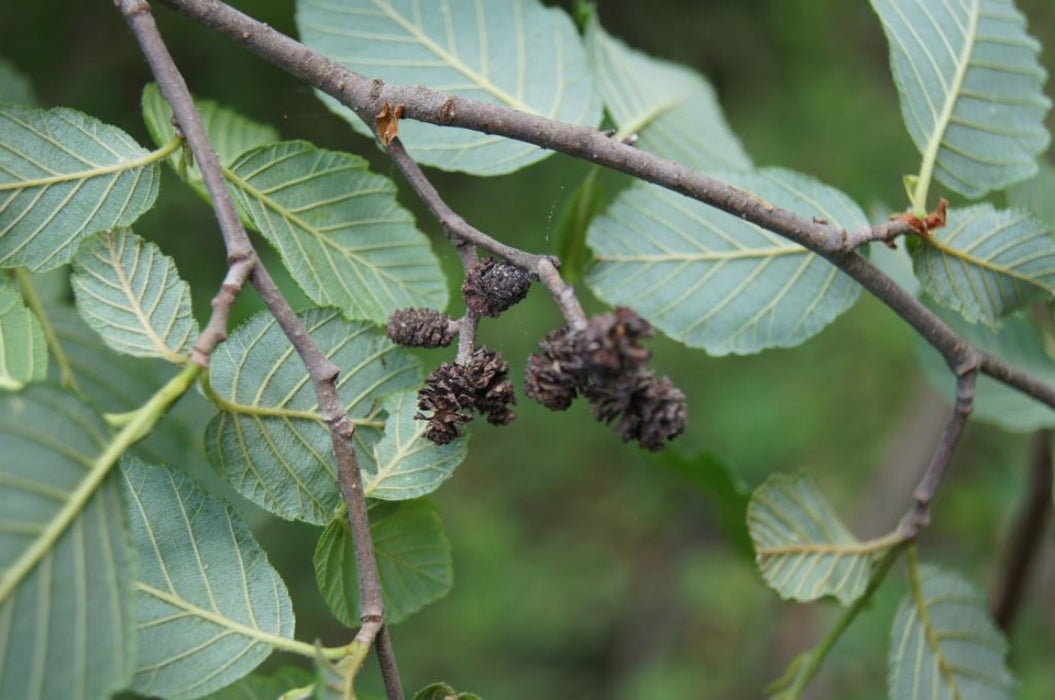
317	235
706	256
451	60
988	266
930	155
122	166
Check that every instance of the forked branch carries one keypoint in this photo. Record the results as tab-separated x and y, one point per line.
367	98
245	264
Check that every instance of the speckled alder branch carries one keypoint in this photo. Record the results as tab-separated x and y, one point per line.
367	98
244	264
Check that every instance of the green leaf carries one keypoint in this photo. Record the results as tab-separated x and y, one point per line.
1020	343
260	687
413	560
1036	194
132	295
23	353
64	175
65	557
803	549
724	490
117	384
210	607
943	644
714	281
987	263
513	53
333	681
442	691
15	88
268	440
230	133
339	229
672	109
573	221
406	465
971	91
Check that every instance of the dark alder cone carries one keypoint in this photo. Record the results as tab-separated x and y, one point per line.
605	362
420	328
494	392
611	342
450	396
453	392
492	286
555	377
643	408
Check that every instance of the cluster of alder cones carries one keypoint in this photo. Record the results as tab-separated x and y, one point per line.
603	362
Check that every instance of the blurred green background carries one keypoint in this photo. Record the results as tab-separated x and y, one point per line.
585	568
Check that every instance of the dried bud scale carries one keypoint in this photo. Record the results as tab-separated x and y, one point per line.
492	286
420	328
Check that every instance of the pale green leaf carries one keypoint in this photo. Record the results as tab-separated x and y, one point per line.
230	133
442	691
715	281
23	353
986	263
15	88
210	607
1036	194
339	229
64	175
971	90
943	644
1018	342
802	548
573	221
132	295
333	681
66	564
260	687
117	384
268	440
407	465
413	560
512	53
672	109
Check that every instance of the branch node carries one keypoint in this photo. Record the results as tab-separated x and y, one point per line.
446	113
376	86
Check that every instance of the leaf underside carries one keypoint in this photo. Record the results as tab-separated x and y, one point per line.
802	548
406	464
714	281
64	175
132	295
267	440
513	53
987	263
943	644
970	86
23	353
74	604
207	599
339	229
1018	342
413	560
672	109
230	133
